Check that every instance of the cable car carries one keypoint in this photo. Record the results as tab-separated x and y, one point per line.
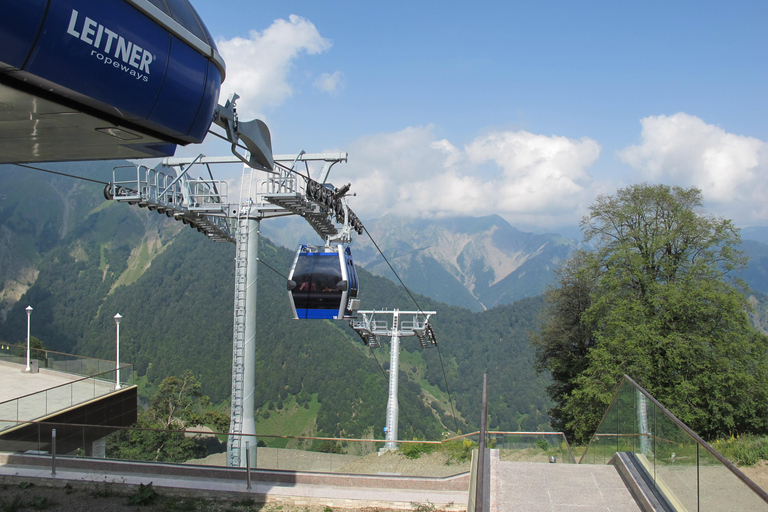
323	284
104	79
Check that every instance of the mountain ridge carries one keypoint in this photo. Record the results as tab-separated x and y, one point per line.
472	262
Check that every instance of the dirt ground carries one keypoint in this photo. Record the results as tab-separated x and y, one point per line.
73	499
758	474
25	497
391	463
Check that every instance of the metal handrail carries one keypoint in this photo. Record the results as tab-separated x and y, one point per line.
16	345
725	462
90	377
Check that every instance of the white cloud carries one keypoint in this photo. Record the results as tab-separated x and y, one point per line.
527	178
258	66
682	149
330	82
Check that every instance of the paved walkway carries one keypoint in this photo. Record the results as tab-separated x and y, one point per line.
539	487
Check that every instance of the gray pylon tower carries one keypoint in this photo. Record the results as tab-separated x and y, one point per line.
372	324
244	328
203	204
394	366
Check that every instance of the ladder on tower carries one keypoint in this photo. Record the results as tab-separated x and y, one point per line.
238	328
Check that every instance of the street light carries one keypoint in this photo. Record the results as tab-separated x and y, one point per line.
117	358
29	315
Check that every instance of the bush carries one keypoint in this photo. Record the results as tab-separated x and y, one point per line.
416	450
459	450
144	495
745	450
329	447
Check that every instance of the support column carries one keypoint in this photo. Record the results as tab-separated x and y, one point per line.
394	371
249	352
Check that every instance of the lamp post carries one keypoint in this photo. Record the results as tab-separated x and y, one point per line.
29	315
117	357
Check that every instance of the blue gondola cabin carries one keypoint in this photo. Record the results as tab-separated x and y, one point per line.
322	283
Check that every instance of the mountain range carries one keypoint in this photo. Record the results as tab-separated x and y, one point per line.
78	260
476	262
471	262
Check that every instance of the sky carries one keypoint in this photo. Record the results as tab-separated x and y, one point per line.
528	110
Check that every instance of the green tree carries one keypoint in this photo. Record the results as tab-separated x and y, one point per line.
177	405
661	307
566	337
37	350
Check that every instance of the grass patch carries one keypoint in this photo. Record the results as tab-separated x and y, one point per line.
435	392
292	420
459	450
12	504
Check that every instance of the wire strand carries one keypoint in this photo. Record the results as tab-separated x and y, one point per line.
62	174
270	267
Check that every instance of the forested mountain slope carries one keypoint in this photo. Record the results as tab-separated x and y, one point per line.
174	289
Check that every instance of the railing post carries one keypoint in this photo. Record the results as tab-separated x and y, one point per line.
481	499
248	466
53	452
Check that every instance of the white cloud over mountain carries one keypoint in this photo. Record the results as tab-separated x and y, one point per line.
526	178
682	149
540	180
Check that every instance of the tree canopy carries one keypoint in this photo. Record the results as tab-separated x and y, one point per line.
655	300
179	404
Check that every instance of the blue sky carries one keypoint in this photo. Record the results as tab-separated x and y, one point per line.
525	109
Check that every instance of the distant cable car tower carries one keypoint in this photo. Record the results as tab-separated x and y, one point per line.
372	324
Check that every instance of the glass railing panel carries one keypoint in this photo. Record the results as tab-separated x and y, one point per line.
59	398
32	406
678	461
103	382
601	449
722	491
606	440
8	411
22	439
83	390
348	456
56	361
202	447
627	431
126	375
673	462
